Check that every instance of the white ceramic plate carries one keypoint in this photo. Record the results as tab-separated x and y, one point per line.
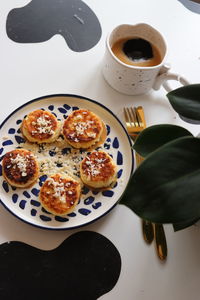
24	204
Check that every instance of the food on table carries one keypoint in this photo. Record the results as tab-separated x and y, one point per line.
98	170
41	126
82	129
60	194
20	168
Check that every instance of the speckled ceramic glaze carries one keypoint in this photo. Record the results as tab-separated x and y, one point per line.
135	80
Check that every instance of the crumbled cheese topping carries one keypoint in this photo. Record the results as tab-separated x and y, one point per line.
79	117
81	127
91	134
21	162
94	166
59	188
43	125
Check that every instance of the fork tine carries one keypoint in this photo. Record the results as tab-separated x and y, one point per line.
134	116
138	117
131	117
127	119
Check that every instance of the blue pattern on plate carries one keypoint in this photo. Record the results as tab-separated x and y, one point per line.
61	219
62	110
75	108
33	212
45	211
54	114
26	194
15	198
35	192
89	200
106	146
1	158
85	190
95	192
42	179
73	214
108	193
115	143
119	173
91	197
119	158
5	186
115	185
7	143
96	205
19	139
84	211
22	204
51	107
11	131
108	129
45	218
35	203
66	106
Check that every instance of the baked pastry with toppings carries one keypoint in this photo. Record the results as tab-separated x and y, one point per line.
98	170
60	194
20	168
82	129
41	126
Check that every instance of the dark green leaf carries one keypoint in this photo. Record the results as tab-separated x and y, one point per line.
180	226
186	101
165	188
155	136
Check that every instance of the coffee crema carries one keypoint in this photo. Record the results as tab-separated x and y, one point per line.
137	52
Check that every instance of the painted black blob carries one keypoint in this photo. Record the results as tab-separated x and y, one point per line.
40	20
84	267
192	5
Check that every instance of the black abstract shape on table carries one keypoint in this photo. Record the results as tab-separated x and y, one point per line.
40	20
192	5
84	267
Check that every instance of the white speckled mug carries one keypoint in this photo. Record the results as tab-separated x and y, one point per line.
136	80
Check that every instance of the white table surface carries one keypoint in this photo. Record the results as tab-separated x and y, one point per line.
28	71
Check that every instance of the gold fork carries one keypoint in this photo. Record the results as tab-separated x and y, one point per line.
135	123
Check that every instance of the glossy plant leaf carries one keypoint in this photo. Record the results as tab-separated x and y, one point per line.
181	226
186	101
156	136
165	188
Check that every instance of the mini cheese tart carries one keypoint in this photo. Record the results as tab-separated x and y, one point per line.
60	194
41	126
82	129
98	170
20	168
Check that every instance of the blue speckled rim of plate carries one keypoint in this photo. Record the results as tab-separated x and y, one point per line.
90	200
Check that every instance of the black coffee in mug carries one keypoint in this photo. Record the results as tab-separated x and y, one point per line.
137	51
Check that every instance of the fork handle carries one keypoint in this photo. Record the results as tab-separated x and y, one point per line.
147	231
160	240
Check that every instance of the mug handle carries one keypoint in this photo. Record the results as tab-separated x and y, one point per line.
164	76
